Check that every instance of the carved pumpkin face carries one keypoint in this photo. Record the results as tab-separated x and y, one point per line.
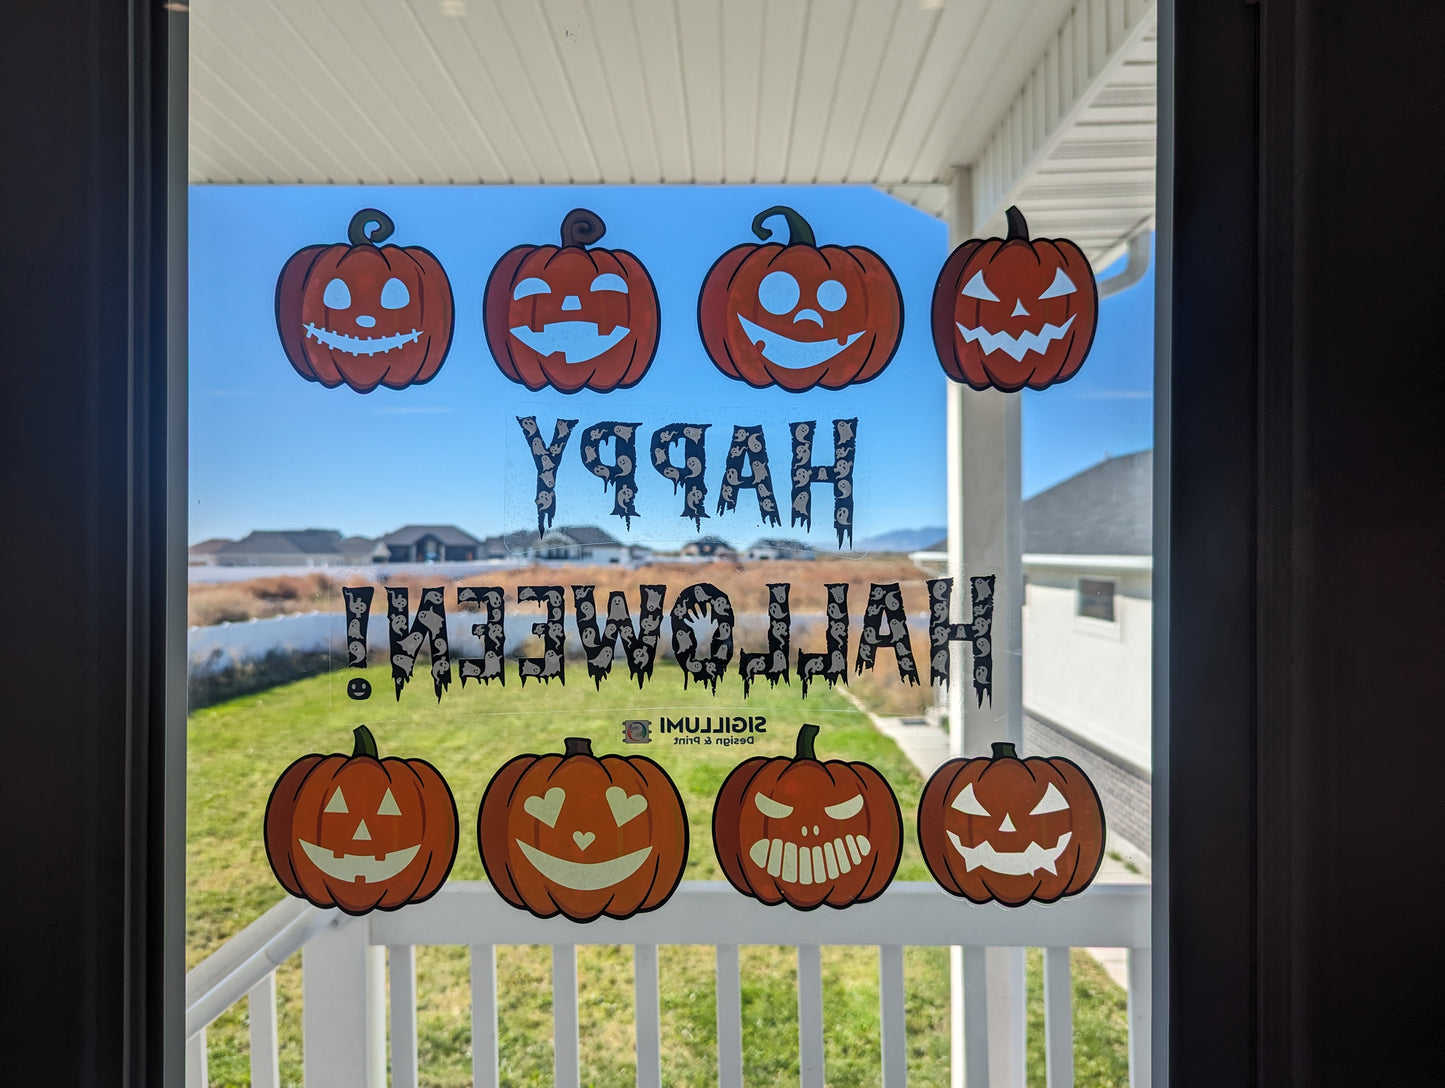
361	833
799	315
365	314
583	836
1011	829
805	832
1014	312
572	317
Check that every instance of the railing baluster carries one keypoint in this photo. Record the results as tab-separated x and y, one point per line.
567	1062
648	1016
810	1016
1058	1019
401	965
484	1016
975	1018
1141	1023
892	1012
343	1007
729	1018
197	1076
265	1056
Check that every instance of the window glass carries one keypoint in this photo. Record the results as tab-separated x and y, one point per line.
1096	599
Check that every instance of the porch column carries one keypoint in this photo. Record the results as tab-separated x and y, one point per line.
985	536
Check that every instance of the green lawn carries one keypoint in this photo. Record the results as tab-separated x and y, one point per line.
237	750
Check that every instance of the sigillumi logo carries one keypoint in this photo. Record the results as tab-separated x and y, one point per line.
637	731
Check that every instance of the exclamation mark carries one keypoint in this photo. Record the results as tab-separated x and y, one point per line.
358	612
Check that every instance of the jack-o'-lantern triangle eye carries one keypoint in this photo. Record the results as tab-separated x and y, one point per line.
968	804
1061	286
388	806
1052	801
976	288
337	803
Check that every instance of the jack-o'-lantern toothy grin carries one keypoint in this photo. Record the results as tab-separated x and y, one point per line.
360	345
579	341
1015	347
358	867
783	350
809	863
1017	863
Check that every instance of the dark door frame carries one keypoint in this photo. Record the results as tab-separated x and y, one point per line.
1298	866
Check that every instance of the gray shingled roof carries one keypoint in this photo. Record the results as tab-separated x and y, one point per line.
587	534
1104	510
284	541
448	535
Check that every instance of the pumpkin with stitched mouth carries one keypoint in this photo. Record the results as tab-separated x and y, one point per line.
360	832
365	314
583	835
799	315
572	317
807	832
1011	830
1014	312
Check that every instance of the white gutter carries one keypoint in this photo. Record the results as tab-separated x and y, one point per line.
1091	562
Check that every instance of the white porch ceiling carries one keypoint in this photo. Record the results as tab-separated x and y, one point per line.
1049	101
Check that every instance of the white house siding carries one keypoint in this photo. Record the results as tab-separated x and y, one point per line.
1087	676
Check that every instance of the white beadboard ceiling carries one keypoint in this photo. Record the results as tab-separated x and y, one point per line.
1050	102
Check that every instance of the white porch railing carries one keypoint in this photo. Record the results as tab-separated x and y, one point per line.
345	964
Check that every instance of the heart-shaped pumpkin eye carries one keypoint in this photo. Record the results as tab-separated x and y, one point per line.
546	808
623	807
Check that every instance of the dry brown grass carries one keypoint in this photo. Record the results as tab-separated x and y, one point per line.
745	583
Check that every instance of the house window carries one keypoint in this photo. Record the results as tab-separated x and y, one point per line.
1095	599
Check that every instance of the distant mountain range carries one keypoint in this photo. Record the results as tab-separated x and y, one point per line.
901	540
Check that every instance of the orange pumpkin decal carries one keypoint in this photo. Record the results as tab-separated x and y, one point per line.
806	832
365	314
1014	312
582	835
799	315
1010	829
572	317
359	832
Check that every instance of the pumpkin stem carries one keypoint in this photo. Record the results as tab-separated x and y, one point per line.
582	228
356	233
1005	750
799	233
807	737
577	746
365	743
1018	228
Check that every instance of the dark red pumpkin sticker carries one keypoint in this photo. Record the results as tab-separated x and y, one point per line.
1011	830
1014	312
574	316
365	314
799	315
360	832
805	831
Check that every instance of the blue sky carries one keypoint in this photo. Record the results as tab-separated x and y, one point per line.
270	450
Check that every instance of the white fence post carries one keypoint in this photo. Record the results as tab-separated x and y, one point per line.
647	1016
401	971
484	1016
265	1056
729	1018
1141	1019
810	1016
343	1015
566	1053
1058	1018
197	1075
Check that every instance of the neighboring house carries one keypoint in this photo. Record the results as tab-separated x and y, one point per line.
427	544
639	553
772	548
580	544
204	554
1088	629
513	545
710	547
282	548
357	550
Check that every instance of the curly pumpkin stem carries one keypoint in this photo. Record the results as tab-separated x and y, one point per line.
1004	750
365	743
582	228
807	737
799	233
577	746
1018	228
356	233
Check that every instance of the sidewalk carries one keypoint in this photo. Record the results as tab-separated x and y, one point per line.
926	747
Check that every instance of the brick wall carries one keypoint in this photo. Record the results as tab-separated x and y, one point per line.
1125	790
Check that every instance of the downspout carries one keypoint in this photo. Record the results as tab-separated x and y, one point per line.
1134	268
